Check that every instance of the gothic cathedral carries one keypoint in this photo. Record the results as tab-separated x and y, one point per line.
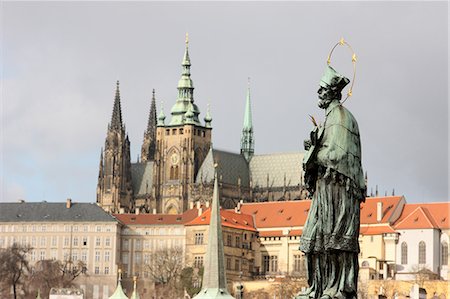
176	166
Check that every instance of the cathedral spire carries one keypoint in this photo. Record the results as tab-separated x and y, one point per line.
214	283
247	141
116	119
149	144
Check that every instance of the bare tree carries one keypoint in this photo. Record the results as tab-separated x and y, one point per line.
388	288
54	273
422	274
164	267
287	287
14	268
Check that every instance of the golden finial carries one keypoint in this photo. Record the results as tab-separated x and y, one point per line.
187	38
342	41
328	60
354	57
349	93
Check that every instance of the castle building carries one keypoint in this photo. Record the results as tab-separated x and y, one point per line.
176	167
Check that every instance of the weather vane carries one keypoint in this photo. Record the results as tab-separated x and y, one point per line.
342	42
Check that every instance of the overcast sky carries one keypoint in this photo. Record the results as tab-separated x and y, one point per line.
60	61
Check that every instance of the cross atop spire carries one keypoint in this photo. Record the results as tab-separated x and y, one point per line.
116	119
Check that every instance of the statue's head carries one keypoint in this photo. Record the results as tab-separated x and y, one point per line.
331	85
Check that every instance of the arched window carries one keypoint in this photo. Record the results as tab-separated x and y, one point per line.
404	253
422	253
444	253
176	174
172	171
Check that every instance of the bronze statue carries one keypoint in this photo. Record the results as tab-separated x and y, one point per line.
334	177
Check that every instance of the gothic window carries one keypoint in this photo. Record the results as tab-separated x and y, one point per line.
171	176
176	173
444	252
404	254
422	253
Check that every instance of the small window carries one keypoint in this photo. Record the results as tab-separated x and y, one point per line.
167	131
174	131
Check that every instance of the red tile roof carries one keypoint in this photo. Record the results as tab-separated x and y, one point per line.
295	232
278	213
152	219
271	233
376	230
294	213
424	215
229	219
369	208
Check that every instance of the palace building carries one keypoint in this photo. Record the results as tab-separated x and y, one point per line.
176	164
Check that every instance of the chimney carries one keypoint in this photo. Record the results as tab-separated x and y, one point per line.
197	204
154	210
200	210
207	204
21	200
122	211
191	205
136	211
68	203
379	211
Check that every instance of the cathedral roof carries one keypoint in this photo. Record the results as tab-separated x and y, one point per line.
232	166
276	167
53	211
142	177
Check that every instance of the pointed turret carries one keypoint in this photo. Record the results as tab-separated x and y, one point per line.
100	167
247	142
116	119
161	117
185	93
208	118
214	283
118	293
135	294
148	146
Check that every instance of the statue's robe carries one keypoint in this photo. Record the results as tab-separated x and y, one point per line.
330	235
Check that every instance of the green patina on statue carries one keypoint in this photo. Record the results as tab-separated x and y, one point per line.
334	177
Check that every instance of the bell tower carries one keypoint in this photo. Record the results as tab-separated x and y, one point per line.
181	146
